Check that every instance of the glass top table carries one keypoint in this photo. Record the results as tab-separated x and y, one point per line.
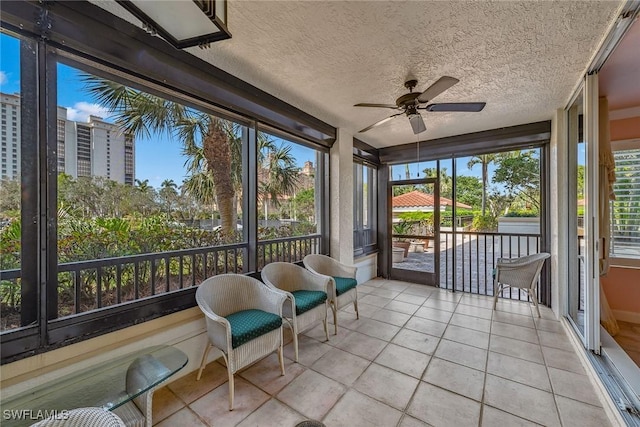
108	385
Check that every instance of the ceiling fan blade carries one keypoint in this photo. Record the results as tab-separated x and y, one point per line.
456	106
364	104
378	123
443	83
417	124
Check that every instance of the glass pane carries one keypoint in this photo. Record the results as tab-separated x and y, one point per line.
141	178
10	198
577	248
288	200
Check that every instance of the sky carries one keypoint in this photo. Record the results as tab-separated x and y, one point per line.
157	158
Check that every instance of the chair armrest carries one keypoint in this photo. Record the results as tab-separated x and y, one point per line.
315	282
218	328
270	299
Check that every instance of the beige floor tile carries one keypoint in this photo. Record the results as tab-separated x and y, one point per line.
374	300
441	294
213	407
411	299
385	292
309	350
378	329
514	306
477	301
462	354
549	325
475	323
341	366
440	407
317	332
519	370
266	373
408	421
386	385
516	348
434	314
165	403
567	360
402	307
426	326
574	386
312	394
482	313
556	340
457	378
392	317
396	285
272	413
513	319
358	410
521	400
578	414
362	345
364	290
188	389
184	417
377	282
514	331
416	341
492	417
345	320
440	304
405	360
364	309
420	290
467	336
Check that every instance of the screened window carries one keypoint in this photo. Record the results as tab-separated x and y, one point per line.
625	209
364	207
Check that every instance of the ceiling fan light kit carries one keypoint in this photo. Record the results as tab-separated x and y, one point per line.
410	103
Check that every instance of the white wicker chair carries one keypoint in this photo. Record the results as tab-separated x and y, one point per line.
343	282
82	417
306	296
519	273
226	300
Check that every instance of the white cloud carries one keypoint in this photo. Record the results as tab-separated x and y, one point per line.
3	78
81	111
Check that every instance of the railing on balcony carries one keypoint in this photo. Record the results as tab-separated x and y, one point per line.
288	249
362	239
476	257
93	284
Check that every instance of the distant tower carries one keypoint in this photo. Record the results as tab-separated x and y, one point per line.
10	136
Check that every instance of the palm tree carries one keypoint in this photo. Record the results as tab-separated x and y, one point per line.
485	160
168	193
281	172
205	138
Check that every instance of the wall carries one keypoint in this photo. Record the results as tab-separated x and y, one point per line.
622	287
622	129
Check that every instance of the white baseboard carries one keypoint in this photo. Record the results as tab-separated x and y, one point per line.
627	316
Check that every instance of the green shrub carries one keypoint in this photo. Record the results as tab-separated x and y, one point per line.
484	223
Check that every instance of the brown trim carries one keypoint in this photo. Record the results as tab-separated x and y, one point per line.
88	31
489	141
365	152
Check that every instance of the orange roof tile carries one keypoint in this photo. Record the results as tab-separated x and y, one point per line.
417	198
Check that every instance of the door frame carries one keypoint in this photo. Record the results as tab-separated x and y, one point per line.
415	276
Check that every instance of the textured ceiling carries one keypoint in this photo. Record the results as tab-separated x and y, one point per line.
523	58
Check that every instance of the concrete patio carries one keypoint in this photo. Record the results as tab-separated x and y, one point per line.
417	356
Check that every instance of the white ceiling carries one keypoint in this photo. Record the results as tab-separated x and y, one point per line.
522	58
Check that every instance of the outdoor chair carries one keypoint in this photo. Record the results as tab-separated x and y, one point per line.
81	417
244	321
519	273
343	287
306	296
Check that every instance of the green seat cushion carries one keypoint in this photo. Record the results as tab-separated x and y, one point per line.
306	300
249	324
344	284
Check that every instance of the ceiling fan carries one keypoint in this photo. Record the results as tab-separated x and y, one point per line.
411	102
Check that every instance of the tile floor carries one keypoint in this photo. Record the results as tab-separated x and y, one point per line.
417	356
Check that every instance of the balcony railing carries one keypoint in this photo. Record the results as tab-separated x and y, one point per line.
288	249
476	257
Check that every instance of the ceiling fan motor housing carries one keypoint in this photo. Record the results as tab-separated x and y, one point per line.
408	100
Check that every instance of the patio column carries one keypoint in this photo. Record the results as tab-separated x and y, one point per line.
341	189
559	212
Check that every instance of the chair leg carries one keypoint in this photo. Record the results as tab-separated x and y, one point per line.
294	331
335	318
496	291
281	358
326	328
355	306
204	361
535	300
231	387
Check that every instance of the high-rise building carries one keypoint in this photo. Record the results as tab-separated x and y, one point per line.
92	148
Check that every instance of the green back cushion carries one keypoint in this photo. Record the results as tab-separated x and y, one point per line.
306	300
249	324
344	284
